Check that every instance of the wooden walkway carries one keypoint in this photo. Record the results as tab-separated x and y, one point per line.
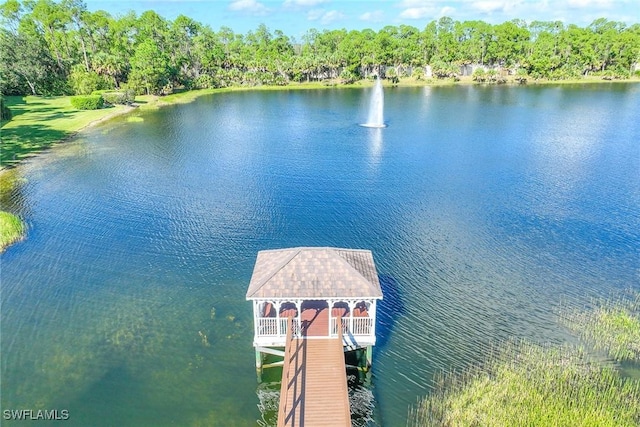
314	382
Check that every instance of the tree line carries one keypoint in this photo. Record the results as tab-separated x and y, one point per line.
54	48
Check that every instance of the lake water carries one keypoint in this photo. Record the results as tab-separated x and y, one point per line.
487	209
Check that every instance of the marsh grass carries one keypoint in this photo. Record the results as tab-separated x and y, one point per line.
11	229
523	384
613	326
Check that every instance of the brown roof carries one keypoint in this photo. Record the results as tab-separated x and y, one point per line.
314	273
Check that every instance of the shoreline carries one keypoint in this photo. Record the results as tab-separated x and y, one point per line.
152	102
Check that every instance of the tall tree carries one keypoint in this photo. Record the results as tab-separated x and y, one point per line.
149	68
25	62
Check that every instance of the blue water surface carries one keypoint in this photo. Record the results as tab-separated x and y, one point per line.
488	209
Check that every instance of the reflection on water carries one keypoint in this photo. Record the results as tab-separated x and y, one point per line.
376	147
268	403
485	208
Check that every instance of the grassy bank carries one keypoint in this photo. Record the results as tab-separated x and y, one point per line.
529	385
11	229
39	122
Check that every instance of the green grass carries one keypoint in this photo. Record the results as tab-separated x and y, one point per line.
11	229
613	326
529	385
39	122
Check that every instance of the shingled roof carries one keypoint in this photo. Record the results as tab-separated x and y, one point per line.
314	273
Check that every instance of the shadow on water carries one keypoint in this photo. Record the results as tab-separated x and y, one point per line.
87	408
389	309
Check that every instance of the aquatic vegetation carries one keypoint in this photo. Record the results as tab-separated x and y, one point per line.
268	402
135	119
527	384
11	229
123	332
205	340
59	365
610	326
10	180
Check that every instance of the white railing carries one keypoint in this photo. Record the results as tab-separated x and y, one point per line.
277	327
268	327
361	325
352	326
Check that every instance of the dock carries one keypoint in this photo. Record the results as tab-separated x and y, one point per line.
317	304
314	383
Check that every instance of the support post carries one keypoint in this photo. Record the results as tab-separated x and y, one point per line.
352	306
259	365
277	305
369	356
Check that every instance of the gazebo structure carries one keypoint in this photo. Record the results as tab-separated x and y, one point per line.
315	287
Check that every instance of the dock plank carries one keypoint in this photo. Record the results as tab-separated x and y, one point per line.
314	383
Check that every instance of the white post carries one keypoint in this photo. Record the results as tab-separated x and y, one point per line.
373	318
256	319
330	304
298	321
277	304
352	305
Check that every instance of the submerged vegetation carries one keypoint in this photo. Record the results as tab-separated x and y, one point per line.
62	48
528	384
611	326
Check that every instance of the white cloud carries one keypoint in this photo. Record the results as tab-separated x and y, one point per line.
249	6
406	4
315	14
331	16
419	9
303	3
605	4
417	12
324	17
447	11
375	16
488	6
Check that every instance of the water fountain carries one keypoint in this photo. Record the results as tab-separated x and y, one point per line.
376	107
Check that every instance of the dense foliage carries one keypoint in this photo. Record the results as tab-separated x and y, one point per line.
87	102
53	47
122	97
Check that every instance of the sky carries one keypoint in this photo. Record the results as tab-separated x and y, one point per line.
295	17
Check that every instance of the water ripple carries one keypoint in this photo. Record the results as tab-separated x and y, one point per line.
142	238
